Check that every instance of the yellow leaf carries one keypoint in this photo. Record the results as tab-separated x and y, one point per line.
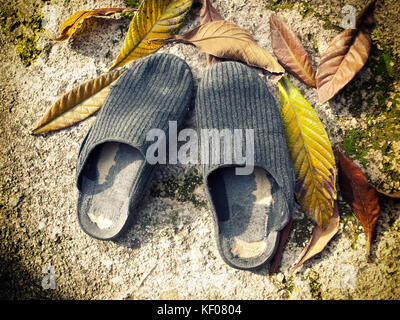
154	19
68	26
311	153
78	104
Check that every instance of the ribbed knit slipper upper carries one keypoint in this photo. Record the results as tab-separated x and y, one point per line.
112	170
248	210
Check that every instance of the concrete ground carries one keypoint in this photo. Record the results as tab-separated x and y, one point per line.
170	251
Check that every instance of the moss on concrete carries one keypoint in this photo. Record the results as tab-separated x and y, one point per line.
315	285
352	146
380	279
387	29
351	225
180	188
377	140
276	5
378	88
305	9
26	48
22	30
302	230
132	3
288	284
313	42
285	285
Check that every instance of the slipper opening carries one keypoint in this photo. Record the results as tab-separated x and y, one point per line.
106	182
246	207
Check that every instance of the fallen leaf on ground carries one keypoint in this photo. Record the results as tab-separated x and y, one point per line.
359	195
345	56
290	52
283	236
319	240
154	19
226	40
69	25
394	195
78	104
209	14
311	153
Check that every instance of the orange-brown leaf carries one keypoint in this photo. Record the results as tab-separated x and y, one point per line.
283	236
209	14
345	56
359	195
319	240
394	195
290	52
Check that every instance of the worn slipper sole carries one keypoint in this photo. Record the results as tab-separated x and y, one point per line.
249	210
112	170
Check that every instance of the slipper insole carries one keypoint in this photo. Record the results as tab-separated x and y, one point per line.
106	185
243	204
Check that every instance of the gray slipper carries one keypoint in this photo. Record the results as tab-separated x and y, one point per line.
249	210
112	171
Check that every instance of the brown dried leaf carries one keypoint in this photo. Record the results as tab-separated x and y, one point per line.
78	104
283	236
359	195
209	14
395	195
224	39
290	52
319	239
345	56
68	26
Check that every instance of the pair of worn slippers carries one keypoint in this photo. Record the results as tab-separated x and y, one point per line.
249	210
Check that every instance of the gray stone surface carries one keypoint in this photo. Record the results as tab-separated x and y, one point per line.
170	251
